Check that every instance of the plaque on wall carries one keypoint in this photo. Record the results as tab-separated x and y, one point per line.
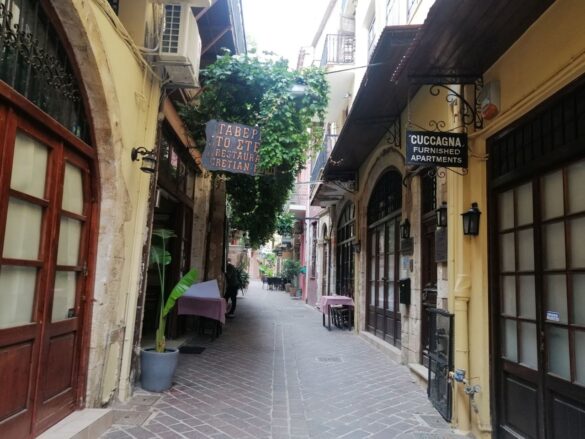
407	246
441	244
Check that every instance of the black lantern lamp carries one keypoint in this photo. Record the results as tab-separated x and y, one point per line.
357	246
148	159
442	215
405	229
471	220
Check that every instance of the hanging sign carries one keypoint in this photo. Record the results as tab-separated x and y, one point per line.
231	147
436	149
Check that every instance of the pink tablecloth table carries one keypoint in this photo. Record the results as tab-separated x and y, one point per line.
325	303
212	308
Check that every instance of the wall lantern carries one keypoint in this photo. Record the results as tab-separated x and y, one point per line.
442	215
357	246
148	159
471	220
405	229
298	90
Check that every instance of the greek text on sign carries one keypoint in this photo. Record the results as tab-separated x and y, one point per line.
231	147
436	149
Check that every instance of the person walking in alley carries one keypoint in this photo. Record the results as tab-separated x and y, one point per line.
233	284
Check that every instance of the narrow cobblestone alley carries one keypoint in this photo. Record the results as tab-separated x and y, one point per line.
275	372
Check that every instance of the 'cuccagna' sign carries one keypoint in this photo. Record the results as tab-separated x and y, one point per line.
436	149
231	147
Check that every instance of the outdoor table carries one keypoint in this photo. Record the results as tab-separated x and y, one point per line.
325	303
203	299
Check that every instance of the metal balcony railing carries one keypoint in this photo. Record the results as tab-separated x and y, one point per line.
338	49
298	198
328	144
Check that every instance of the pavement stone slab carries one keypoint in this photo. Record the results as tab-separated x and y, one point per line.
275	372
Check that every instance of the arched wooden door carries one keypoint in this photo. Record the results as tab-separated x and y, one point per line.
384	213
47	221
345	251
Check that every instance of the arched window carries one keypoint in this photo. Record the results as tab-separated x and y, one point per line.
384	213
345	256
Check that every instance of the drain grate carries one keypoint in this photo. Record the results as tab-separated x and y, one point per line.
329	360
130	417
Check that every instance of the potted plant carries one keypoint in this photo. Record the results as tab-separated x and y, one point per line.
290	270
158	364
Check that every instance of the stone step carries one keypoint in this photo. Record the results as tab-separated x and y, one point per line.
82	424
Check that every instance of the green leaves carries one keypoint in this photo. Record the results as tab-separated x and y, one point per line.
183	285
160	257
252	91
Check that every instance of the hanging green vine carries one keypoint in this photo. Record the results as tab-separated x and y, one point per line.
248	90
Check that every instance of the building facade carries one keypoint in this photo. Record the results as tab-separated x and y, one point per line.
88	89
490	323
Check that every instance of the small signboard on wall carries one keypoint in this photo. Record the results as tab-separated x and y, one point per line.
231	147
441	244
432	148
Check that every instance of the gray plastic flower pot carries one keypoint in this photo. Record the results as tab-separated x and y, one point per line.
158	369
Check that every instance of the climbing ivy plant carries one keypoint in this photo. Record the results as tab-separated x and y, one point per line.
256	91
285	223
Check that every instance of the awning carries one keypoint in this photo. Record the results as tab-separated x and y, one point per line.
458	39
377	103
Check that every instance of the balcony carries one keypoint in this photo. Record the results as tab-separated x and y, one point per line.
338	49
328	143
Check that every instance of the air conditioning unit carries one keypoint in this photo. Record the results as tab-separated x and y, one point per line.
180	48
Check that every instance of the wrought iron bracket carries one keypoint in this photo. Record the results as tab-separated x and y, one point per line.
393	133
346	186
434	171
471	109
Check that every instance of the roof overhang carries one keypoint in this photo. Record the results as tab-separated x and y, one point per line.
457	40
377	103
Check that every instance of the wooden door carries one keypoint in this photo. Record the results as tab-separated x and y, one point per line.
383	256
540	306
45	212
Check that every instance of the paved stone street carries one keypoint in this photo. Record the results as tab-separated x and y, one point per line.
277	373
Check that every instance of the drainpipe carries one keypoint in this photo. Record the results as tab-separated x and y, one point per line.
461	357
459	270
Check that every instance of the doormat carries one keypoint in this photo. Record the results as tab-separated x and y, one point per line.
189	349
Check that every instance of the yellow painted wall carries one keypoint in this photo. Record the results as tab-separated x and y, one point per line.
123	96
549	56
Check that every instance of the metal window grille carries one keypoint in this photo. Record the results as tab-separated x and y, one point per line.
440	360
387	197
35	63
170	40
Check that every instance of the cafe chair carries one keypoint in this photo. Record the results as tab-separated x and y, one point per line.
342	316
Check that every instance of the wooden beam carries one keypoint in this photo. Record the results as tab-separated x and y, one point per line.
204	11
215	40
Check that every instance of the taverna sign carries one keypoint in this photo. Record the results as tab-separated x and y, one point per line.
436	149
231	147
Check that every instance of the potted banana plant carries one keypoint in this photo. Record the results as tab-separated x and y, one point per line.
158	364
